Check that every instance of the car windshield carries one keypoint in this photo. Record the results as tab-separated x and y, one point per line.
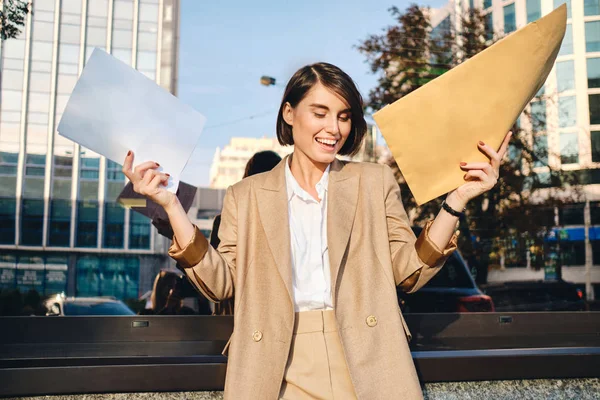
108	308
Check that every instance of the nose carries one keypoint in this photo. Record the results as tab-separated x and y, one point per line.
333	126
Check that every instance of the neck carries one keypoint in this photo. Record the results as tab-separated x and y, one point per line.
306	171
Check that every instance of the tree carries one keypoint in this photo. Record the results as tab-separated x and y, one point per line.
515	215
12	18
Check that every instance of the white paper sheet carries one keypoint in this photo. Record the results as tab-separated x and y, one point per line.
114	109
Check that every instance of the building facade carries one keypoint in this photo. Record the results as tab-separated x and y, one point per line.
563	118
60	227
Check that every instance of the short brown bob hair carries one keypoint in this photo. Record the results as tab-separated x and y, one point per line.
335	80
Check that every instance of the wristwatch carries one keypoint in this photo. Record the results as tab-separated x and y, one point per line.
452	211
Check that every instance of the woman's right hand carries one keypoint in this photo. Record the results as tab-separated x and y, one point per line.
148	182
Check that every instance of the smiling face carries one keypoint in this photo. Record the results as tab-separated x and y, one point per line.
321	122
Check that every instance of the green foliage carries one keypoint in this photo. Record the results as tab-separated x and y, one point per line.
409	54
12	18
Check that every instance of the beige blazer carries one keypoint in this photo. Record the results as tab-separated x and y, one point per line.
371	249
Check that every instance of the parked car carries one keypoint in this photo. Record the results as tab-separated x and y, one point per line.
70	306
452	289
536	296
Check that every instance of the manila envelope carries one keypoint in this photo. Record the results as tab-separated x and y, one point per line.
431	130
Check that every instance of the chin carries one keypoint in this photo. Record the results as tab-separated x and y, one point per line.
324	158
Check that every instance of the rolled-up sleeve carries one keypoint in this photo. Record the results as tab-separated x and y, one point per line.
192	253
212	271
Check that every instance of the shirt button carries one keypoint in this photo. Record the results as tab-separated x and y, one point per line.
257	336
371	320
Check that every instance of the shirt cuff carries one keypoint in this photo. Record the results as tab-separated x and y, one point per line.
192	253
429	252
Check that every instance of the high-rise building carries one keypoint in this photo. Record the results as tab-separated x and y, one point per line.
60	228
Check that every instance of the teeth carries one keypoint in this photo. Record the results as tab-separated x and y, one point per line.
330	142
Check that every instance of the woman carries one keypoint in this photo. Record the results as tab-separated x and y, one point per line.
314	250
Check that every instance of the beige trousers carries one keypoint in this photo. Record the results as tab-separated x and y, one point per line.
316	367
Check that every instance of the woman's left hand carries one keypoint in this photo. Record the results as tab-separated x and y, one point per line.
481	176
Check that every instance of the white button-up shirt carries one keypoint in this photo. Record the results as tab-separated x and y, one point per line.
311	278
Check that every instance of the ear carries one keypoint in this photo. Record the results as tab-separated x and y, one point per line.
288	114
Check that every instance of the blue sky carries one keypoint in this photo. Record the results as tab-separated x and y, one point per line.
226	46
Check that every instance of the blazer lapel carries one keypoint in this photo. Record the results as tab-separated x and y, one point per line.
342	198
273	210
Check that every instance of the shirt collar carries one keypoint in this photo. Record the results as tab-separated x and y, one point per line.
293	188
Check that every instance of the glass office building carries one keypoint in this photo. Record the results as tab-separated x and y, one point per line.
60	228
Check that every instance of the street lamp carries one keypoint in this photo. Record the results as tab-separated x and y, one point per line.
267	81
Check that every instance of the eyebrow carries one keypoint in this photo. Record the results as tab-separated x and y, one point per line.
324	107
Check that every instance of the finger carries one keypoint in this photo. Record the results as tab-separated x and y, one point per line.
475	175
485	167
148	176
157	180
475	165
504	146
491	153
141	169
127	165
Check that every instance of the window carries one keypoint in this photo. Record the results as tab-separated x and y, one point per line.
571	214
90	168
114	224
87	224
569	148
7	220
59	229
88	280
567	111
592	36
30	273
139	231
538	116
534	10
56	274
595	146
489	26
32	222
98	8
116	276
487	3
148	12
558	3
572	253
594	100
566	47
35	164
12	79
8	163
593	72
565	75
510	22
540	150
591	7
115	180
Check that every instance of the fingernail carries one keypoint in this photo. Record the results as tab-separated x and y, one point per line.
462	164
168	174
481	143
157	164
128	153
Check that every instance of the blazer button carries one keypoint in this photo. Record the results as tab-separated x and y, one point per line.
257	336
371	320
